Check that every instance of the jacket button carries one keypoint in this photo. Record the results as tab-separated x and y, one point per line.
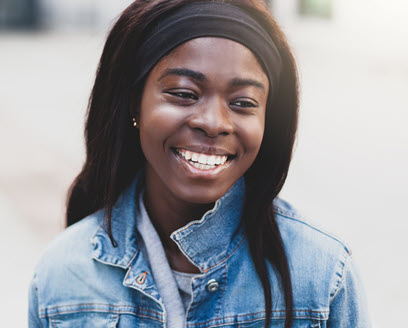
212	285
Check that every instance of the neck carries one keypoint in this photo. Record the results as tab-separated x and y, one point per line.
168	214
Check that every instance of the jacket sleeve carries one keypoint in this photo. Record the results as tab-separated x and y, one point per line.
33	316
348	306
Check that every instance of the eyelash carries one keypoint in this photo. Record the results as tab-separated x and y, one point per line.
243	104
183	95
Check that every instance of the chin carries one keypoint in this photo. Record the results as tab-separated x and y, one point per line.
203	195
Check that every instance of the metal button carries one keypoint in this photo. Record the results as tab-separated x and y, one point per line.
212	285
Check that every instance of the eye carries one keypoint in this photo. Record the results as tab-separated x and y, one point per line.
182	94
244	104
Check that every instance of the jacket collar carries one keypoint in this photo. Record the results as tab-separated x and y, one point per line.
123	231
206	242
217	234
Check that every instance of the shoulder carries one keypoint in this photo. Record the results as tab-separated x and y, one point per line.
68	254
317	259
294	226
70	245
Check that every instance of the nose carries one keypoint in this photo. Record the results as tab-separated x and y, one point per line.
213	117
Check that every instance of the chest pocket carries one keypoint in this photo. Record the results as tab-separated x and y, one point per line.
302	323
101	320
84	319
297	323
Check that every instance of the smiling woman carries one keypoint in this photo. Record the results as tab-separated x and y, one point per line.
174	219
201	102
208	118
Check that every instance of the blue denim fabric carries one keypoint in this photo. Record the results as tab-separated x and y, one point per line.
82	281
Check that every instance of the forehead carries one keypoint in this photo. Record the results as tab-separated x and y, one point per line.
214	56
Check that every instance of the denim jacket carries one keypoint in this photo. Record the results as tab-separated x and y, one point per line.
81	280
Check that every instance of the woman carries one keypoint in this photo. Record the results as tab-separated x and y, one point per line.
189	135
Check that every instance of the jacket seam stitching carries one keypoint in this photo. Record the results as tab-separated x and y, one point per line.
197	222
226	258
223	292
43	312
126	266
279	211
341	278
325	313
132	258
37	293
53	316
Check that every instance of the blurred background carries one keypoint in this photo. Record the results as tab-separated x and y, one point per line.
349	172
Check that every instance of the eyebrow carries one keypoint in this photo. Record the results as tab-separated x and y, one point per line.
183	72
198	76
247	82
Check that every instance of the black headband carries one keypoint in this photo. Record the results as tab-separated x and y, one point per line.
208	19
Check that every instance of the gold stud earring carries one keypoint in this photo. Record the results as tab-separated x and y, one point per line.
134	122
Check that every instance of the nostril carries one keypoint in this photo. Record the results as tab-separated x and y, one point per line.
213	119
211	131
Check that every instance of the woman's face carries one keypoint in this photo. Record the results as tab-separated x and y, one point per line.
202	119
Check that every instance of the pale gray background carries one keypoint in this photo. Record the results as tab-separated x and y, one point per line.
349	173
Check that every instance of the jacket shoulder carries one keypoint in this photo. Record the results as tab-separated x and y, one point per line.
68	255
317	259
71	244
293	224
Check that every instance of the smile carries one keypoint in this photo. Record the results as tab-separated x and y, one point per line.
202	161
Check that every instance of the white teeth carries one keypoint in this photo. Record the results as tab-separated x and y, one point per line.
187	155
202	161
202	166
211	160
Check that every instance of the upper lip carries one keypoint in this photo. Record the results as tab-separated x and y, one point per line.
208	150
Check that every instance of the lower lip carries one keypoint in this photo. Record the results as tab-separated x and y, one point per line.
210	173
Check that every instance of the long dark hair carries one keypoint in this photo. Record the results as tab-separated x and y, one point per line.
114	155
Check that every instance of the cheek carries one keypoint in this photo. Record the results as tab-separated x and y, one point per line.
159	121
252	133
257	138
153	132
158	114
